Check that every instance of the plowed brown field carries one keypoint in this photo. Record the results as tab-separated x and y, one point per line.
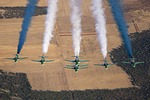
53	76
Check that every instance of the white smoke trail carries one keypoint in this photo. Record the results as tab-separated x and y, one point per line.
49	24
76	24
100	25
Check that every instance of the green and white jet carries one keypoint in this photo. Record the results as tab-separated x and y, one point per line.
132	62
77	65
106	64
16	59
42	61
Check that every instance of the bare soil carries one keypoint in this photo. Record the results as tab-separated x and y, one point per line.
53	76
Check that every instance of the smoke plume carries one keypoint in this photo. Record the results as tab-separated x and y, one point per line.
26	23
100	25
49	24
76	24
122	27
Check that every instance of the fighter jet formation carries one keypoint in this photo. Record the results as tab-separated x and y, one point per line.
75	18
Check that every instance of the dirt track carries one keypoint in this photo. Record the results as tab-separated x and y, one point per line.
53	76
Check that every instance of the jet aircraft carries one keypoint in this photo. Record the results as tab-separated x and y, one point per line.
42	61
106	64
77	65
133	62
16	59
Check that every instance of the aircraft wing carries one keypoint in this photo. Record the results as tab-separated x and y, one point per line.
99	64
70	60
23	58
139	62
10	58
111	64
83	60
82	67
49	60
36	60
69	67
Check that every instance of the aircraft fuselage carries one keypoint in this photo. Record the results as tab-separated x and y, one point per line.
42	60
77	61
106	65
16	58
133	63
76	68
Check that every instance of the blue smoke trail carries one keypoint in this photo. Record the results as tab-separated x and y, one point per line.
122	27
26	23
